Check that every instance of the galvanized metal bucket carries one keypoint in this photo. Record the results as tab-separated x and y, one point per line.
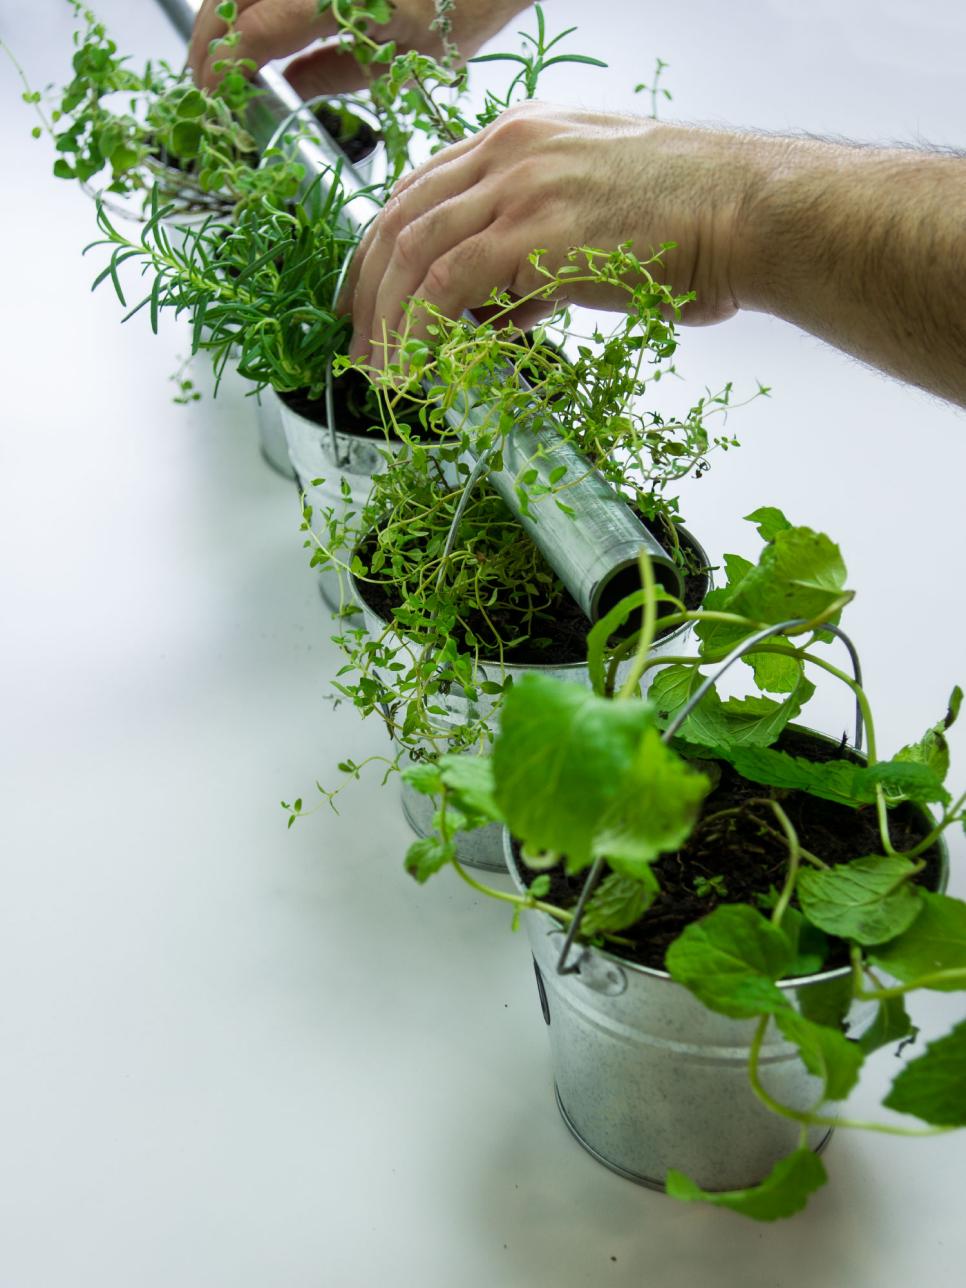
271	433
646	1078
483	849
324	461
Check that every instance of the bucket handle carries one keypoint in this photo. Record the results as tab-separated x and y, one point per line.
593	876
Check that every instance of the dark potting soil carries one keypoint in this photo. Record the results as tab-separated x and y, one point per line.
358	145
560	635
349	393
750	860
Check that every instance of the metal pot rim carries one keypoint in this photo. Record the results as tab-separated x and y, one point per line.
318	426
556	667
795	982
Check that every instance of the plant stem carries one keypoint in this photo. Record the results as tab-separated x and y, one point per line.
516	900
951	976
808	1119
932	837
794	858
646	639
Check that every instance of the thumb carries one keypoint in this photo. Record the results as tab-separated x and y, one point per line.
325	71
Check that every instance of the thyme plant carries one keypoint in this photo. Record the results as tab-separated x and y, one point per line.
583	777
455	608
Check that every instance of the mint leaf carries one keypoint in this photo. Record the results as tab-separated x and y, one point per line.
801	568
671	687
428	855
932	749
834	780
470	779
827	1002
618	902
424	777
935	942
721	637
706	724
907	780
736	567
868	901
809	943
560	760
776	673
770	521
783	1192
730	959
751	721
757	721
891	1024
799	574
825	1052
841	781
933	1087
654	810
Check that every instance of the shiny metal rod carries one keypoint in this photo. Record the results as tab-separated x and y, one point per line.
593	550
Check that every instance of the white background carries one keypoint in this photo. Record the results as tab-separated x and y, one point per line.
233	1056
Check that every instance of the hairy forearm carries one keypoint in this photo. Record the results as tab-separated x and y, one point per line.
866	248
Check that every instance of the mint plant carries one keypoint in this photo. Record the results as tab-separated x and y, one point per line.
591	779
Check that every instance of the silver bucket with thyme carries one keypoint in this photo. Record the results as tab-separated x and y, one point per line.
455	707
271	433
647	1078
334	470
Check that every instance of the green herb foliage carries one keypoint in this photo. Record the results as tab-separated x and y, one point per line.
453	616
121	132
563	770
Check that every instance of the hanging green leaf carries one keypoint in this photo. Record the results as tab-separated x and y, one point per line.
826	1053
933	1086
560	761
934	945
782	1193
428	855
932	749
769	520
891	1025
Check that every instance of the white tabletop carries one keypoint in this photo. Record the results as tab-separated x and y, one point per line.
234	1055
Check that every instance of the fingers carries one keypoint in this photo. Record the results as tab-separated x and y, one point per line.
325	71
421	245
433	185
267	29
464	276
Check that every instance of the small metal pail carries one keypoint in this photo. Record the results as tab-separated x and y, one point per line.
271	433
647	1078
322	461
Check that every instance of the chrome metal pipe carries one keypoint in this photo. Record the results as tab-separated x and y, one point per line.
593	551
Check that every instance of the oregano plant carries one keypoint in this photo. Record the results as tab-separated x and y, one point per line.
121	132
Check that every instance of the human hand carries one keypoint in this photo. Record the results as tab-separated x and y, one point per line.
553	178
271	29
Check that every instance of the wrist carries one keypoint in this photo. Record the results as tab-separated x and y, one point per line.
761	255
699	188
